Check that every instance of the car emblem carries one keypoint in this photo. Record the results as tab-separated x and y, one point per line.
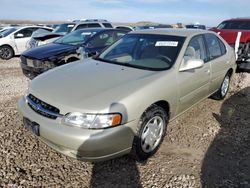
36	107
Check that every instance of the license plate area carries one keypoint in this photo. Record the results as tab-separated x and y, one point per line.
32	126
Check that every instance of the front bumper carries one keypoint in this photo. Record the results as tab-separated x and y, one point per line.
30	72
82	144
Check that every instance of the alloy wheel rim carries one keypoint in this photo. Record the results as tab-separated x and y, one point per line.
225	85
151	134
5	53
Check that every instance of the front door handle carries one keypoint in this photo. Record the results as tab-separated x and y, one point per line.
207	71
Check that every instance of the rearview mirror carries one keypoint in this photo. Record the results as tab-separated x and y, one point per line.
191	64
19	35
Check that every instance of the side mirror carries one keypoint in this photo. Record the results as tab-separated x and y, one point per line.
19	35
191	64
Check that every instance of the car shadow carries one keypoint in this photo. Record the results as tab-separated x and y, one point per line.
120	172
227	161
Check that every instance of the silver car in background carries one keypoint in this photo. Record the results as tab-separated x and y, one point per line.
121	101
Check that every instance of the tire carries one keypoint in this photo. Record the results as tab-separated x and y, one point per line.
223	90
6	52
149	133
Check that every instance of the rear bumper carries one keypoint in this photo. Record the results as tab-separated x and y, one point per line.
82	144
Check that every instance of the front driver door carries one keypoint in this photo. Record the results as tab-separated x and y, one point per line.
194	84
22	37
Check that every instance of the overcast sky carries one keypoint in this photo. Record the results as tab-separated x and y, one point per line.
209	12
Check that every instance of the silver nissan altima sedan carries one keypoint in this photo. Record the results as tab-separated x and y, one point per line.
121	101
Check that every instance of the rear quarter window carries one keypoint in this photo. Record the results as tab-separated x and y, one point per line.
222	47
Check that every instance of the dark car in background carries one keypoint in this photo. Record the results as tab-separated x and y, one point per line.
195	26
77	45
159	26
41	38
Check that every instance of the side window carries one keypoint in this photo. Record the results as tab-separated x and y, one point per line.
27	32
94	25
103	39
213	46
196	49
124	48
81	26
119	35
107	25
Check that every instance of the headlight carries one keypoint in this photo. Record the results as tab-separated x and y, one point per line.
92	121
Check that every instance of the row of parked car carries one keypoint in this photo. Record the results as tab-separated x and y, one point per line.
16	39
121	99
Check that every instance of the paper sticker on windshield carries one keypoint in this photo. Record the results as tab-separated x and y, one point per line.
70	25
167	43
86	33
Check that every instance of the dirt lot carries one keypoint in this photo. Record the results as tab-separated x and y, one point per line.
209	146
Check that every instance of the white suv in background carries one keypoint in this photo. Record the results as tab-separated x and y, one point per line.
41	37
81	24
13	41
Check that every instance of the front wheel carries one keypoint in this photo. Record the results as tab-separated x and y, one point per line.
150	134
6	52
222	92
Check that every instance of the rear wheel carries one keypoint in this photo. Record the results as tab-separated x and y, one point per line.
6	52
150	133
223	90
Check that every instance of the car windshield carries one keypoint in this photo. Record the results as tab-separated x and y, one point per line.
144	51
64	28
6	32
76	37
235	24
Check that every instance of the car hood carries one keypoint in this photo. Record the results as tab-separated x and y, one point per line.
90	86
48	51
46	36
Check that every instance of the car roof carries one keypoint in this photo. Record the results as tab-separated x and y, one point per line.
238	19
28	26
99	29
86	22
175	32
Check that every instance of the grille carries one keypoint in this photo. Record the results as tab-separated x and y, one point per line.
43	108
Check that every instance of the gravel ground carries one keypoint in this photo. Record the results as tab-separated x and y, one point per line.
206	147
